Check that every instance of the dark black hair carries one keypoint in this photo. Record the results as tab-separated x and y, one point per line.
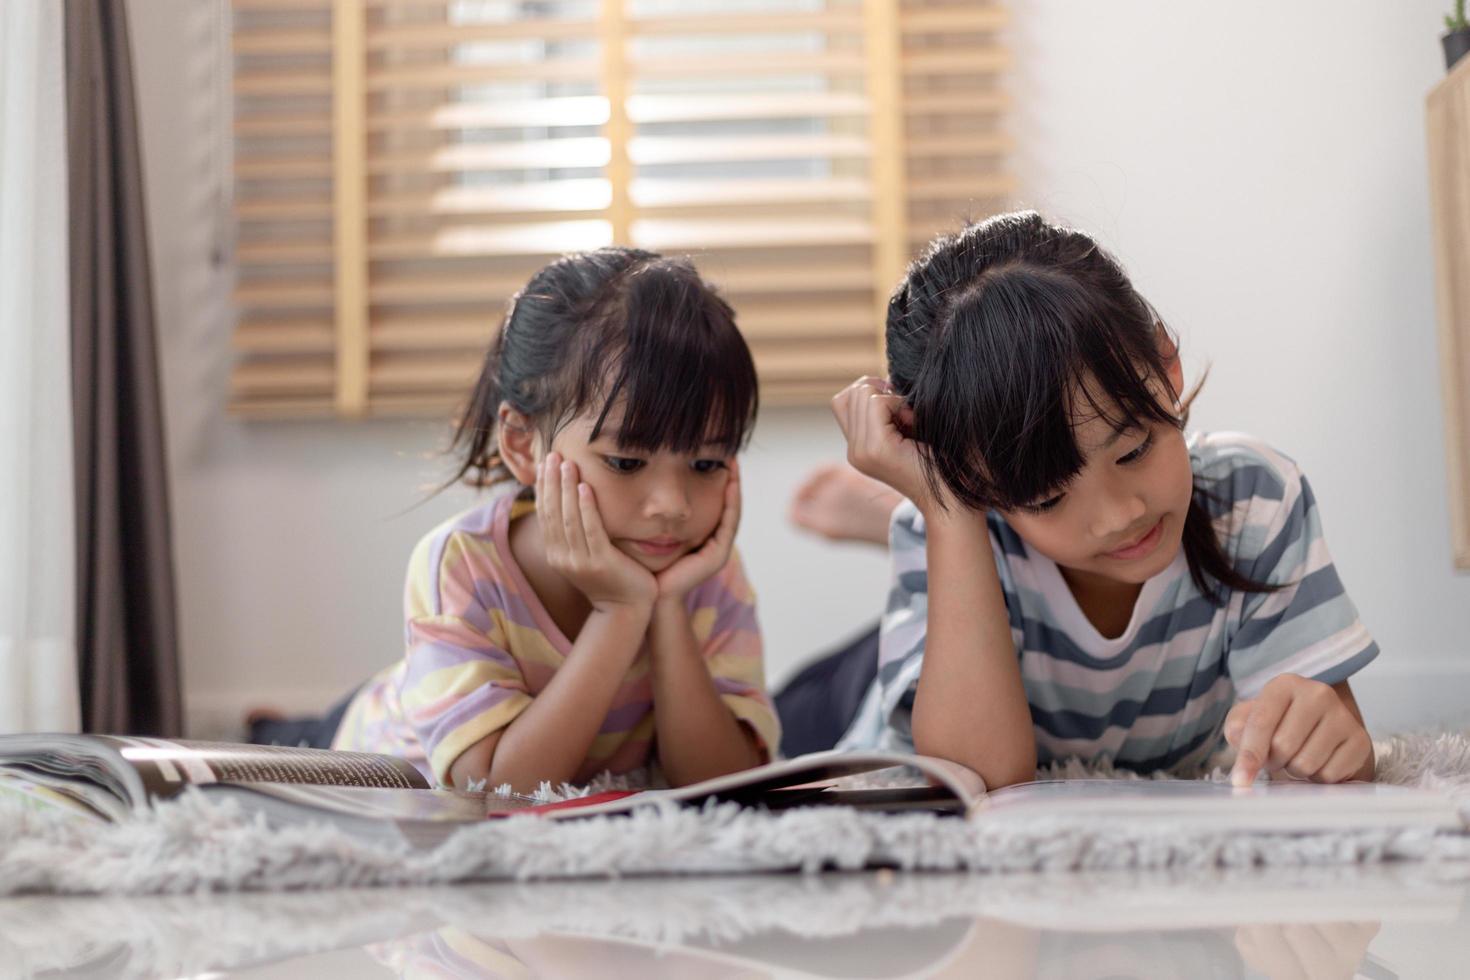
595	327
999	336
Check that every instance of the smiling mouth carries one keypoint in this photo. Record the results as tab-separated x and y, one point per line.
1140	547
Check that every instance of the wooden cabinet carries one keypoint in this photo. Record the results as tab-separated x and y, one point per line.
1448	111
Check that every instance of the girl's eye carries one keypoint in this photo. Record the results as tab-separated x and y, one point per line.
708	465
1043	506
623	464
1140	452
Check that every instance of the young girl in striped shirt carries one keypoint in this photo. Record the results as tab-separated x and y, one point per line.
596	618
1073	575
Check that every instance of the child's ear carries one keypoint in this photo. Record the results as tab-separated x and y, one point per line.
518	444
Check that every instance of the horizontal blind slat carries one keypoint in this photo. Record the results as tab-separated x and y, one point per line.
832	20
430	77
410	37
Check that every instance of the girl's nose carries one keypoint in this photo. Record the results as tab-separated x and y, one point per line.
668	501
1118	515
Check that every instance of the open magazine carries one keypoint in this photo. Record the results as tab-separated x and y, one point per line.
111	777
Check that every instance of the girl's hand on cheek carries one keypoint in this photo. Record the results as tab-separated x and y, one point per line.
874	421
577	546
1298	725
684	575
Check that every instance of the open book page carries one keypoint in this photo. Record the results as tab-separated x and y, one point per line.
1278	807
816	779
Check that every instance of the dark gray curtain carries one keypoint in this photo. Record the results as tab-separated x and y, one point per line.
126	634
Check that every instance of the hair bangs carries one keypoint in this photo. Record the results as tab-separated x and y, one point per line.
1024	358
684	380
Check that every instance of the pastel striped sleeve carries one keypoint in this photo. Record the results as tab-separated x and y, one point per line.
722	615
459	684
1308	627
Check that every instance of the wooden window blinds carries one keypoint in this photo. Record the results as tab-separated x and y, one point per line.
402	166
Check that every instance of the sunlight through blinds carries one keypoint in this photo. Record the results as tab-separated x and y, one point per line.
402	166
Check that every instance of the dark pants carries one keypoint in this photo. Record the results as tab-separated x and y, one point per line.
819	703
815	707
313	732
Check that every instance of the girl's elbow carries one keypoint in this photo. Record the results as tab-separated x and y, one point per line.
997	765
475	764
1011	764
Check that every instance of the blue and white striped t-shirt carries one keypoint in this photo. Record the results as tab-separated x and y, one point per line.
1156	696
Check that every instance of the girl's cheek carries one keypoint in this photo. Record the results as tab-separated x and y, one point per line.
612	504
1173	477
712	507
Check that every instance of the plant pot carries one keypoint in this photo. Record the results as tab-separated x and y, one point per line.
1456	46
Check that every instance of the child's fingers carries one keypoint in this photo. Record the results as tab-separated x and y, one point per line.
883	405
872	416
1235	721
730	517
1302	717
571	510
845	402
857	417
1274	955
1255	740
1314	750
548	503
596	537
853	398
1346	759
842	408
884	412
1315	953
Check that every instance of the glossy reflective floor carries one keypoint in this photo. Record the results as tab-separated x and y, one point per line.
1376	922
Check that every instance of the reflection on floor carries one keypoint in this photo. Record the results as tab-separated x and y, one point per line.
1377	921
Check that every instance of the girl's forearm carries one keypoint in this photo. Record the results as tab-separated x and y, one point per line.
550	739
971	706
698	736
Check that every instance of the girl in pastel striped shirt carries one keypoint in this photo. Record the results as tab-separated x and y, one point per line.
597	618
1074	577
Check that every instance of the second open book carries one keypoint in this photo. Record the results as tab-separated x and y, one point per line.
831	779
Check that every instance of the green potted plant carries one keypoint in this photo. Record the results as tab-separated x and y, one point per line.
1457	35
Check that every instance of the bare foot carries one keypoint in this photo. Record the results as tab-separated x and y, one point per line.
263	714
841	504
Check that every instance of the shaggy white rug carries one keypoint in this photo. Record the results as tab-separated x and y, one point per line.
196	844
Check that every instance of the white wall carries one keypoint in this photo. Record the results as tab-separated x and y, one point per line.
1260	171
